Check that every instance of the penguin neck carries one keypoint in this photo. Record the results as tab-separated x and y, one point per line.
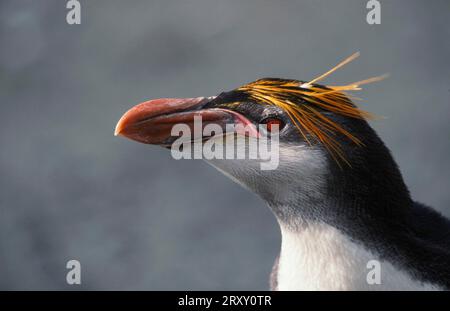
330	237
332	230
317	256
360	201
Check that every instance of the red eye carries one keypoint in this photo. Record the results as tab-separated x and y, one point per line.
270	122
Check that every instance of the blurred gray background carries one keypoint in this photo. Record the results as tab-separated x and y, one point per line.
134	217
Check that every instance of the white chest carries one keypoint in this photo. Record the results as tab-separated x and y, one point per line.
319	257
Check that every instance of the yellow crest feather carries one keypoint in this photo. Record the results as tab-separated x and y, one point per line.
307	118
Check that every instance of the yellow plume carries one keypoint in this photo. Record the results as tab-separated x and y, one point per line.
307	118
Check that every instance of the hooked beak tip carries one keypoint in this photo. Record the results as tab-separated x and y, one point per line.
119	128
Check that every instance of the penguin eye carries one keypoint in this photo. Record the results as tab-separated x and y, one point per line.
270	122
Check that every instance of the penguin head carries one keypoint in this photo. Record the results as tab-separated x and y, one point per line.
321	144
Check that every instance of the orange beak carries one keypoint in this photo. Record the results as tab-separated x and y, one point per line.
151	122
